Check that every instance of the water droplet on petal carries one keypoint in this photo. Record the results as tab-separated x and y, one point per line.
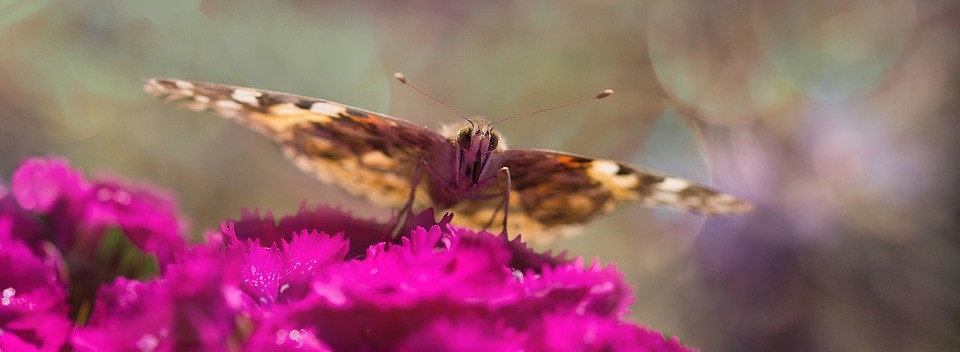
104	194
517	274
281	336
147	343
122	197
602	288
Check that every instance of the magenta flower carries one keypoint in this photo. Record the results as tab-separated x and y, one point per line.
446	288
41	185
319	280
147	216
61	236
19	224
464	335
268	274
573	332
81	211
195	306
33	300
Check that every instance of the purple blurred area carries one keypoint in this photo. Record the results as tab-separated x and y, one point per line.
839	119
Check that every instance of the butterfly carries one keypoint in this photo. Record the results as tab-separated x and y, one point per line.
467	170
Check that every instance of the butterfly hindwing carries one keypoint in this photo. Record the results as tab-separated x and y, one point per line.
368	154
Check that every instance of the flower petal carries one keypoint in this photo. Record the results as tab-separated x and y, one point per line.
40	183
33	302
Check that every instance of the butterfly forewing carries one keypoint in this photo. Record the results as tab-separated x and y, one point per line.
554	193
366	153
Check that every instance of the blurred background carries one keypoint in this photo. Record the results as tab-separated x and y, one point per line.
839	119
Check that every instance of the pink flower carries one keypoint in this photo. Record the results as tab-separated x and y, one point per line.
40	185
80	211
319	280
444	287
194	306
33	300
57	227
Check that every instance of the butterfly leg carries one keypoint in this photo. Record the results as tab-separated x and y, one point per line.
494	216
506	200
408	208
505	203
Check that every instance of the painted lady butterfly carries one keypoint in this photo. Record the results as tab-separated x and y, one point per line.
471	171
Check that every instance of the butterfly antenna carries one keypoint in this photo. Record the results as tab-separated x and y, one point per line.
403	79
605	93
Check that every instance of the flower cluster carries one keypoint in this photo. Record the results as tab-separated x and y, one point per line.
318	280
63	237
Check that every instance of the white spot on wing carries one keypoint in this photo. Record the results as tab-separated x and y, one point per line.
664	198
620	186
327	109
203	99
605	167
155	88
673	184
246	96
628	181
184	85
227	105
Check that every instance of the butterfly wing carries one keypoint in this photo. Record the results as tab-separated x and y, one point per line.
366	153
553	192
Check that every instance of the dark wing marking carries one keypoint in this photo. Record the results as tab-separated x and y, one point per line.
366	153
556	190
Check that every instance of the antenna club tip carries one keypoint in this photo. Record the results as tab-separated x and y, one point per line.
605	93
400	77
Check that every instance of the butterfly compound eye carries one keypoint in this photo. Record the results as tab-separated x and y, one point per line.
464	138
494	139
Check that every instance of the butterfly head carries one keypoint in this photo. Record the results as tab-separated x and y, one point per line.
478	136
475	144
